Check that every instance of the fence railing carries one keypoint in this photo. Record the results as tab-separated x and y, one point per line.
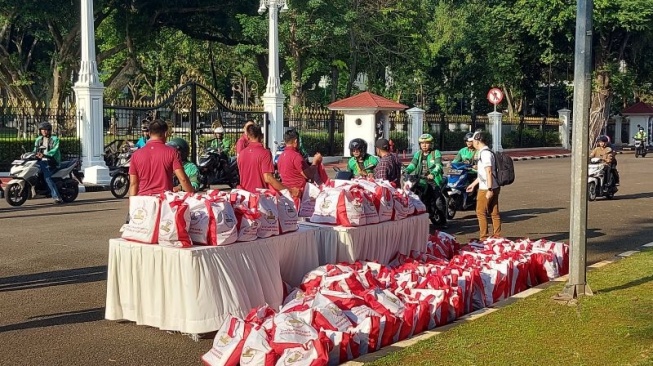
19	129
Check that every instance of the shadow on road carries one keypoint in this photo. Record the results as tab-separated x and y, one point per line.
58	213
630	284
564	235
47	203
633	196
526	213
54	278
49	320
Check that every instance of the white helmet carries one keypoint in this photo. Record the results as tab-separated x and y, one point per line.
218	130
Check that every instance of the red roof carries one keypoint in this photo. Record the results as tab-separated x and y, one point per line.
638	108
366	100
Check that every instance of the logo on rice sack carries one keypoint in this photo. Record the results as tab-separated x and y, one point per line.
333	309
295	323
166	226
270	217
248	355
290	209
293	357
197	217
139	215
224	340
226	219
325	204
357	203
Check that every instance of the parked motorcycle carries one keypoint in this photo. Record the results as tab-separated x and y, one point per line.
432	197
27	176
596	184
640	148
457	197
217	168
119	184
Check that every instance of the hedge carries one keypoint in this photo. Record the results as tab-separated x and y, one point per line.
70	147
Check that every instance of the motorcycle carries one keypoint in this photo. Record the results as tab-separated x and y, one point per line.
432	197
27	177
280	147
640	148
217	168
596	184
457	197
119	184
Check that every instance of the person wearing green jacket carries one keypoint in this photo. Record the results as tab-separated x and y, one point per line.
361	164
46	148
190	168
426	163
220	142
467	154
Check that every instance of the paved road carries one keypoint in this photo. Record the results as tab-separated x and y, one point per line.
52	265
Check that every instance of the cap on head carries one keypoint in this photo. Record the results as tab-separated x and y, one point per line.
382	144
219	130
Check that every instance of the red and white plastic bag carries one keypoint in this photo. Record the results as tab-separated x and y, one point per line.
402	207
227	344
350	208
198	229
311	353
266	204
144	214
326	206
288	215
222	222
174	222
308	201
292	330
257	350
248	222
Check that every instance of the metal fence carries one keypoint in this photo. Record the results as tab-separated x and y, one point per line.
321	130
19	129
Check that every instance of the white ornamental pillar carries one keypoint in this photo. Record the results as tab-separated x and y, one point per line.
88	92
495	130
416	116
273	97
564	115
617	130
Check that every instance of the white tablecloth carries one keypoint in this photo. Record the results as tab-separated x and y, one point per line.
378	242
192	290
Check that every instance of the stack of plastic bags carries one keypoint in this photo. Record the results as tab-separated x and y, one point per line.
358	202
216	218
343	311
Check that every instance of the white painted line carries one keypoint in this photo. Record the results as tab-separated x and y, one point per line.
628	253
649	245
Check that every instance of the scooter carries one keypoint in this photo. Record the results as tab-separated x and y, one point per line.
280	147
27	177
119	184
640	148
457	197
596	184
432	196
217	168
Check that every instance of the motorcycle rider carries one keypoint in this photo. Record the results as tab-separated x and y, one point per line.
361	164
606	154
46	148
641	135
189	167
220	142
467	154
145	129
426	163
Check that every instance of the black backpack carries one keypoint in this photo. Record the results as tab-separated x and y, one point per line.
503	168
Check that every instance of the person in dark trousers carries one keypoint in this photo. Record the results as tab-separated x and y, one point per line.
389	166
487	198
46	148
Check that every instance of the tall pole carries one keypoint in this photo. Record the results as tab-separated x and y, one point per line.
88	91
577	284
273	97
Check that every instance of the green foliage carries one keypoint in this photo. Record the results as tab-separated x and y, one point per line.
314	142
530	137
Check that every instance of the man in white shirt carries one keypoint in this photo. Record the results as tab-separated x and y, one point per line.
487	199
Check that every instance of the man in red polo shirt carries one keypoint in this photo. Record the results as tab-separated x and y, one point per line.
255	164
293	169
242	141
152	166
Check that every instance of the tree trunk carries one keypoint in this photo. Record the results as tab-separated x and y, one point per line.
335	76
600	107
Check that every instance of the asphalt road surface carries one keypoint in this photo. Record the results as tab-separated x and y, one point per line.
53	263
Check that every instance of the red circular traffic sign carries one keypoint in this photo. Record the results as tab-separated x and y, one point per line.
495	96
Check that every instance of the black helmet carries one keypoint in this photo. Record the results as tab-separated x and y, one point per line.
357	144
603	138
182	146
469	136
45	126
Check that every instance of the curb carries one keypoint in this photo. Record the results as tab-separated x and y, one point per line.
370	357
557	156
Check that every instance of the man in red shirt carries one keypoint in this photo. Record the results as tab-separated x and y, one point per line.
242	141
255	164
152	166
293	169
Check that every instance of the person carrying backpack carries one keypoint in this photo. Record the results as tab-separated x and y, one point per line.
487	199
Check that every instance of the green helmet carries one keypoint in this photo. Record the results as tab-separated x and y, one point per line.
181	145
426	137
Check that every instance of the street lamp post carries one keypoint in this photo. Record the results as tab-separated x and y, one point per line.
273	97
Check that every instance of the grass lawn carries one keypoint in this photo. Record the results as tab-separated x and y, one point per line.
613	327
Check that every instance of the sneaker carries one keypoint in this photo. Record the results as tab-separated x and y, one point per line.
58	201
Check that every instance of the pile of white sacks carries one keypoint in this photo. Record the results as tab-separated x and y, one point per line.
346	310
358	202
215	218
